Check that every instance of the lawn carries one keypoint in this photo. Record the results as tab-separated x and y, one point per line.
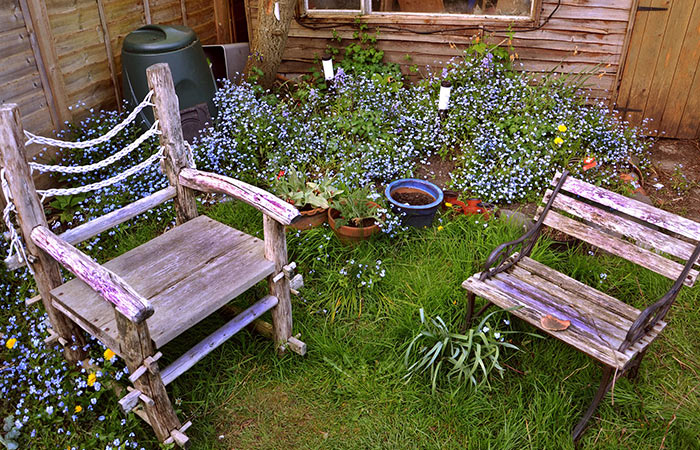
360	306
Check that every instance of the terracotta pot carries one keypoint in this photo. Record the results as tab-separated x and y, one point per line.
310	219
350	235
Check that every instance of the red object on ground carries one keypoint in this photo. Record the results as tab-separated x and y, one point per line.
589	162
473	205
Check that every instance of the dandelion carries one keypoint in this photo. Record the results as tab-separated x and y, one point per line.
558	140
78	408
91	379
448	205
440	228
109	354
10	343
562	128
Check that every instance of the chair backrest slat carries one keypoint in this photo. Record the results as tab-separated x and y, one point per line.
655	216
642	235
619	247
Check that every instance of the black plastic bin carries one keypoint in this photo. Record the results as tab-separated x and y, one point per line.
180	48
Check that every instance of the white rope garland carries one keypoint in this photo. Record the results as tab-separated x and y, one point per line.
104	183
42	140
16	245
100	164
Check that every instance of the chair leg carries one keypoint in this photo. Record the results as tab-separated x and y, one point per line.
633	371
605	383
276	251
471	297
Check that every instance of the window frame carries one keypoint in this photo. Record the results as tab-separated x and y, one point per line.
366	14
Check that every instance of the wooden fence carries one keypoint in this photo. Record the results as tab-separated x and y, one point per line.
61	58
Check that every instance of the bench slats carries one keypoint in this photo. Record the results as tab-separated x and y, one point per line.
500	294
640	233
616	246
671	222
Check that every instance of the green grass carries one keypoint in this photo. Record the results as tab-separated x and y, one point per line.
348	392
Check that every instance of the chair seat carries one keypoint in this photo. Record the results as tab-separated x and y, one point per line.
186	273
599	322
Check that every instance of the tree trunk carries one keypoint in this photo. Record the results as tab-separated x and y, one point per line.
269	41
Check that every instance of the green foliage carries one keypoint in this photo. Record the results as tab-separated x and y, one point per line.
357	207
456	358
67	205
11	433
293	186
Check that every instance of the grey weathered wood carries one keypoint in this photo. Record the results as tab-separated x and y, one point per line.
108	285
192	270
178	436
269	204
148	364
589	331
177	157
129	401
214	340
276	251
30	214
631	229
136	346
96	226
616	246
660	218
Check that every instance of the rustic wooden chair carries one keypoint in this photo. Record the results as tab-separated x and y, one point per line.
143	299
605	328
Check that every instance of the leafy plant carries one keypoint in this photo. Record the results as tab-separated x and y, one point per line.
293	187
458	358
11	433
67	205
356	207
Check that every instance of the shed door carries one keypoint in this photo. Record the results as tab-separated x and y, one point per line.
661	79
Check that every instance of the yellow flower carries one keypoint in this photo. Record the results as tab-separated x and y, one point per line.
78	408
561	128
10	343
558	140
440	228
91	379
109	354
448	205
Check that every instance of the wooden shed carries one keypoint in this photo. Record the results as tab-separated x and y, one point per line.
60	58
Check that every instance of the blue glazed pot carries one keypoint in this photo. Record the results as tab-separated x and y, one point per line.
417	216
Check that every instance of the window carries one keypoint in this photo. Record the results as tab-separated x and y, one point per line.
521	9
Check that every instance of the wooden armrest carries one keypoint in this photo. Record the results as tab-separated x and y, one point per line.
269	204
107	284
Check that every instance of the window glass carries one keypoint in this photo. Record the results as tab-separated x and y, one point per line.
479	7
334	4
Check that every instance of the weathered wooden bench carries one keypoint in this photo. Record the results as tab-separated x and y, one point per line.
607	329
143	299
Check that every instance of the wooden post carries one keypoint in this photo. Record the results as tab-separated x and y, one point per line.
167	111
30	214
136	345
183	11
147	12
276	251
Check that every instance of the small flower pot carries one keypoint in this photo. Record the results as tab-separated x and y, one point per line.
350	235
310	219
417	216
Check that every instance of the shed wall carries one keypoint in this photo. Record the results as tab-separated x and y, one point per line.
582	36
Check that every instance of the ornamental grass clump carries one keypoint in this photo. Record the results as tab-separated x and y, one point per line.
456	359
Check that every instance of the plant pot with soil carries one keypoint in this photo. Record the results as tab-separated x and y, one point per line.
312	199
355	217
416	201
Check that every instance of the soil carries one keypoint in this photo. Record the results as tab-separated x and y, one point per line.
413	198
437	171
673	183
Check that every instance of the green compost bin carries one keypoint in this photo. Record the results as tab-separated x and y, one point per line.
180	48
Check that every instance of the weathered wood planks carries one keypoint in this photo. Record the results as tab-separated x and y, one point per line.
214	340
186	273
108	285
269	204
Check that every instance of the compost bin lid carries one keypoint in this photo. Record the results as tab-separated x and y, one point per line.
159	39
